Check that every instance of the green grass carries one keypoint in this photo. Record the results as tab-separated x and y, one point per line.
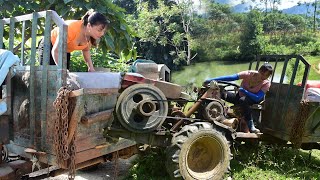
314	61
256	162
275	162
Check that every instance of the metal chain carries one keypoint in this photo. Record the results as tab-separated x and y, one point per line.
63	150
72	165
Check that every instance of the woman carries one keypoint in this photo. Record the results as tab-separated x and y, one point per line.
82	34
253	88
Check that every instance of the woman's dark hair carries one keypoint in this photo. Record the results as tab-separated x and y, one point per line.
266	67
95	19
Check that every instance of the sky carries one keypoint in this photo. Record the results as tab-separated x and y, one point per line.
284	4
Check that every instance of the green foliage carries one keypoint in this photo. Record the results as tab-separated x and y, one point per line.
252	40
100	59
163	31
150	165
215	37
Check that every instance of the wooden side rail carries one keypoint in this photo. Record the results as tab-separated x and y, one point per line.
105	91
99	116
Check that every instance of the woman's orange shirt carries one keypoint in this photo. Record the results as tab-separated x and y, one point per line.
74	28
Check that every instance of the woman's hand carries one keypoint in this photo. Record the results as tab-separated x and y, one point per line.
87	59
91	69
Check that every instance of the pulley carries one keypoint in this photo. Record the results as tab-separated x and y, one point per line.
141	108
214	111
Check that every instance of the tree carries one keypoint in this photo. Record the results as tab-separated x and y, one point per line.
164	27
186	15
252	40
315	13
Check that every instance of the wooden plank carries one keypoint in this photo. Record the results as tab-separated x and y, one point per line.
248	135
44	82
89	142
20	150
97	152
32	80
22	43
96	117
4	130
104	91
56	18
11	35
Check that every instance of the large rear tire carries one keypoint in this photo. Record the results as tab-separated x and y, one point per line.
198	151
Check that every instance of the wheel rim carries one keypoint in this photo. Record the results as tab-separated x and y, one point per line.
205	154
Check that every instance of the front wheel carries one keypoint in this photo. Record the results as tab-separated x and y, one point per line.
198	151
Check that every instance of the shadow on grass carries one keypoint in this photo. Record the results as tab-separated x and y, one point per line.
276	162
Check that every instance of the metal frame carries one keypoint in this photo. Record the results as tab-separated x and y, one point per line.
50	17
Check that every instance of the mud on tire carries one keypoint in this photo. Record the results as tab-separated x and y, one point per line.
198	151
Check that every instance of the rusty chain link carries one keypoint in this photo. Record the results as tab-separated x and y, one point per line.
65	153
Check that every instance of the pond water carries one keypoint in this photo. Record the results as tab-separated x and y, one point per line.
196	74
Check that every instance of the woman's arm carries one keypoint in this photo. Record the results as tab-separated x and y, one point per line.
54	50
87	57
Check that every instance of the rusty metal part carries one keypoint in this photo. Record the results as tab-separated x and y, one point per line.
193	109
177	114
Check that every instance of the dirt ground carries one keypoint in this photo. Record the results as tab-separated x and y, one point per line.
102	172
